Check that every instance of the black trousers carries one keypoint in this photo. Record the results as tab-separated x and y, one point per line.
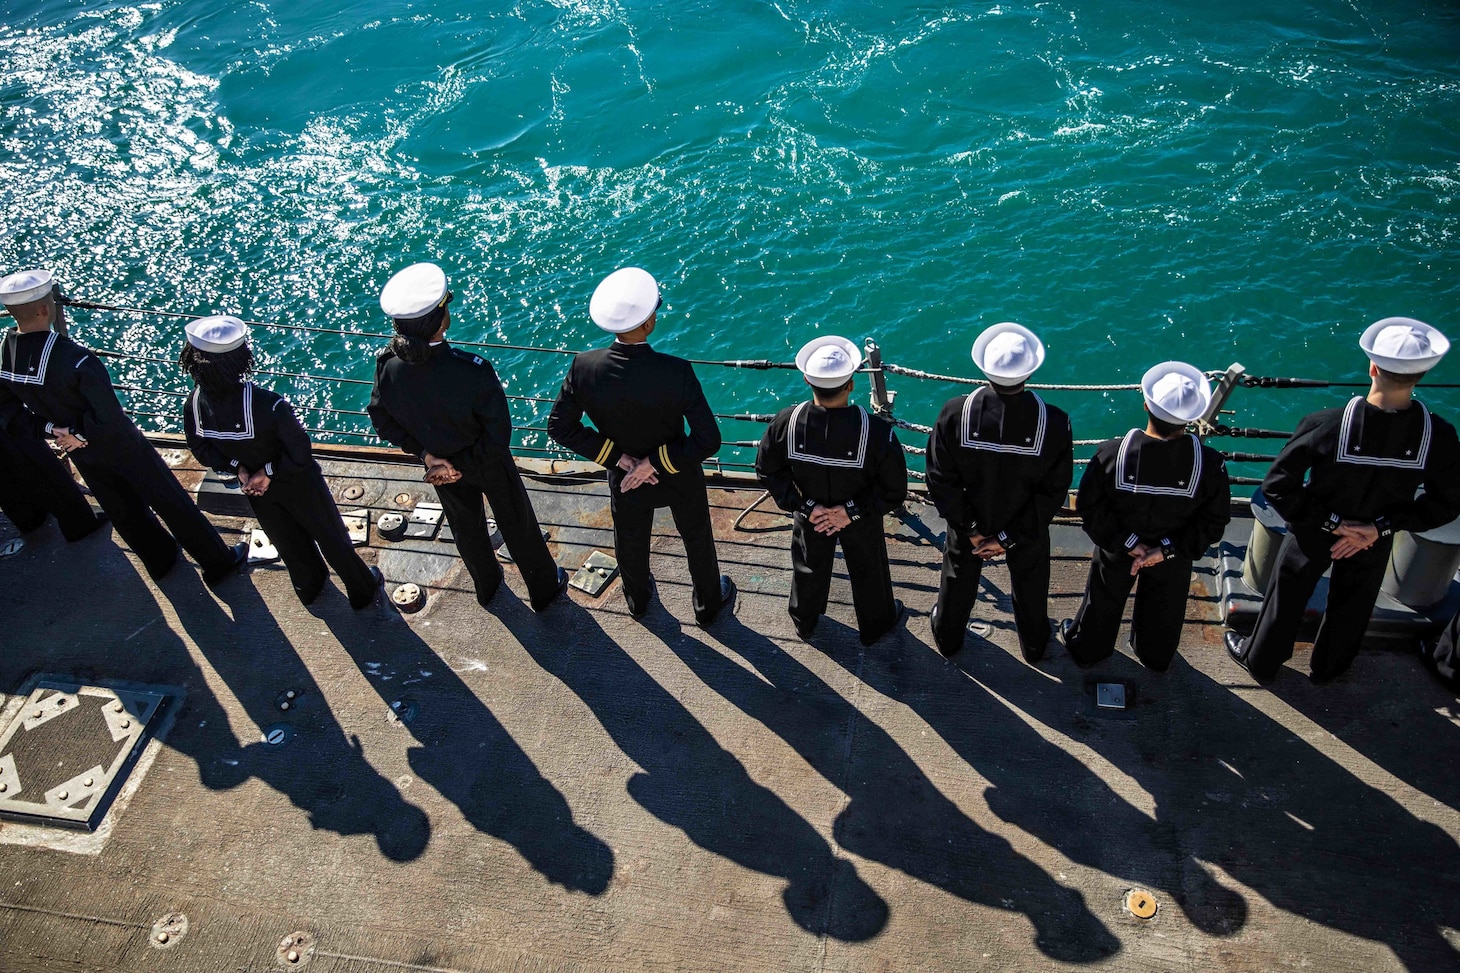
300	517
1352	591
1029	587
135	488
501	483
1156	617
34	483
688	500
864	546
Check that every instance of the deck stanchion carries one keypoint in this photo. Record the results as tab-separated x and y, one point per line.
882	399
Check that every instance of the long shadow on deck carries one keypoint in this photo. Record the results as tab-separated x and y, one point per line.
896	815
690	782
470	758
1230	786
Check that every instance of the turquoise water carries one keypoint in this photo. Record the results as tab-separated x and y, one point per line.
1134	181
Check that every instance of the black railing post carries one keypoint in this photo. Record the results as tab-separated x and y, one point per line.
882	399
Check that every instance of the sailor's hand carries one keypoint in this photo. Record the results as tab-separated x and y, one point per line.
257	484
1144	556
1353	536
67	440
829	520
643	472
243	477
438	470
986	545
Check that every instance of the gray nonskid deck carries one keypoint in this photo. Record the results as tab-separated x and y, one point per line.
579	791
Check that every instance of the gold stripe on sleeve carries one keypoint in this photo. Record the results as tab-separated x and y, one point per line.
664	458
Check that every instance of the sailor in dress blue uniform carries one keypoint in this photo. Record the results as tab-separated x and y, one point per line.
640	402
999	467
1346	481
446	407
1152	501
52	387
837	470
239	429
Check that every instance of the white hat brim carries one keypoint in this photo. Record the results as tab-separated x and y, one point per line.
1157	372
624	300
980	347
43	285
1439	345
836	381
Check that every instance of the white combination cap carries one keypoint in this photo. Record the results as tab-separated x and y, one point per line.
1176	392
414	292
1008	353
1403	345
624	300
828	361
219	333
25	287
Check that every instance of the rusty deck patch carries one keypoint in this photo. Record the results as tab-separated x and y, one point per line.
68	749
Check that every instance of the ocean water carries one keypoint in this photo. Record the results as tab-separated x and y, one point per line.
1245	181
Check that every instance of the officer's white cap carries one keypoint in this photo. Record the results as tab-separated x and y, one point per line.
1176	392
219	333
624	300
414	292
25	287
828	361
1403	345
1008	353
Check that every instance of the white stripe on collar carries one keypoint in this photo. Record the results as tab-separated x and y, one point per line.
972	442
247	431
852	462
1347	455
1128	482
40	377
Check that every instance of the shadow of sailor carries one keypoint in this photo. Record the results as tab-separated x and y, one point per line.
1230	786
466	754
895	814
321	771
688	781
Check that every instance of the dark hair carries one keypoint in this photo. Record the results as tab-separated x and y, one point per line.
412	342
1166	429
818	393
1403	381
217	372
1006	389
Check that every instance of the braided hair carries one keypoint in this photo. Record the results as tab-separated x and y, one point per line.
412	342
220	373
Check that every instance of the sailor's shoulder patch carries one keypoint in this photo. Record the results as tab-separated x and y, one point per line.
468	356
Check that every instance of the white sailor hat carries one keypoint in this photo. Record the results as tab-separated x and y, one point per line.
1008	353
828	361
219	333
1403	345
414	292
1176	392
25	287
624	300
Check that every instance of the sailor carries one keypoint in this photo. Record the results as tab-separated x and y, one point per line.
999	466
837	470
50	386
446	407
1348	479
239	429
1152	501
640	402
35	483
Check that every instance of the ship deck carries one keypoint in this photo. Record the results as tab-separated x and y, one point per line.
579	791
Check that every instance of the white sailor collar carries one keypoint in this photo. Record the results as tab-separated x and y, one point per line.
35	374
1351	448
798	447
972	439
1127	477
242	428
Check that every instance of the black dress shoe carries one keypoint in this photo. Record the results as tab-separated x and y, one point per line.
239	553
563	577
727	601
375	592
933	628
1033	654
1237	651
1062	631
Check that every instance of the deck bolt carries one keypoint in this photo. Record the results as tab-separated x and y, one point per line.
88	782
162	937
118	707
61	701
293	956
290	694
63	794
284	705
125	723
36	714
4	787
